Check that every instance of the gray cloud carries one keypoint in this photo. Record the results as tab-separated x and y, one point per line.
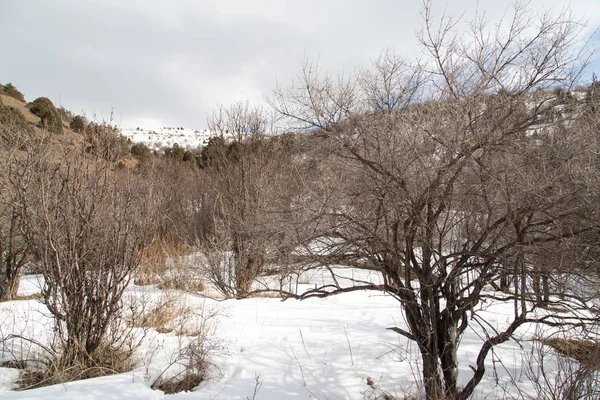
168	63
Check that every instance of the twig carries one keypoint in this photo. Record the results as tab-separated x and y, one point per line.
257	386
304	345
299	365
349	347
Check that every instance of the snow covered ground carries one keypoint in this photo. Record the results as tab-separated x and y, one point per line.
168	136
313	349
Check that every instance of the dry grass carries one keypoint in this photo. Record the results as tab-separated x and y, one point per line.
587	352
14	103
33	296
169	316
106	360
266	295
184	384
163	265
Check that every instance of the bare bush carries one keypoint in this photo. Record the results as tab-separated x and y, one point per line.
191	363
86	225
15	173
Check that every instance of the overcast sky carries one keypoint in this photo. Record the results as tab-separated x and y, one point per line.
167	63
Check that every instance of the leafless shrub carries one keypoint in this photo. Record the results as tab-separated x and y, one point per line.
191	363
86	225
16	172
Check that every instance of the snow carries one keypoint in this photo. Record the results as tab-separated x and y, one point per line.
118	387
168	136
30	284
312	349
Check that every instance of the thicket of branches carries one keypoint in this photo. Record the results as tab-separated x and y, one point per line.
467	171
470	175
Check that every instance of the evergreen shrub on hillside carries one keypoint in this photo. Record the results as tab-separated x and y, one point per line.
66	115
49	115
141	152
78	124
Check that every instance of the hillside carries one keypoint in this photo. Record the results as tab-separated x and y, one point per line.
20	106
158	139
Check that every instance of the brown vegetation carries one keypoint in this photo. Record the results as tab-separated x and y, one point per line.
586	352
50	118
29	116
105	360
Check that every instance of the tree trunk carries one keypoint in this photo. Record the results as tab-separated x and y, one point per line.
9	279
546	289
504	281
431	375
536	287
448	346
9	286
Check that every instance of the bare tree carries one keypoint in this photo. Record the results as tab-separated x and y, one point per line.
455	189
246	178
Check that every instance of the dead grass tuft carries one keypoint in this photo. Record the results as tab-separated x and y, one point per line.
266	295
106	360
163	264
33	296
587	352
182	281
184	384
169	316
